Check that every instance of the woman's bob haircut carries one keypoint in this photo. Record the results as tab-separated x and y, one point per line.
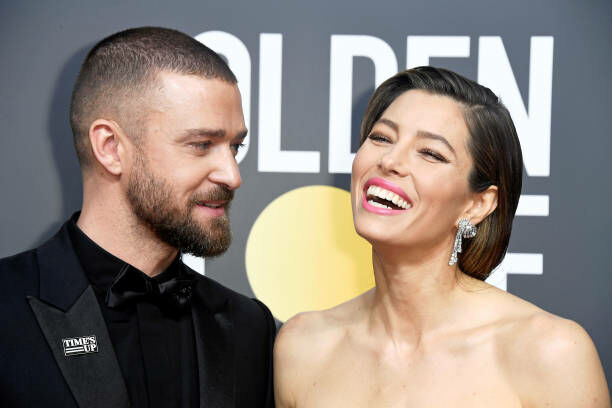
493	145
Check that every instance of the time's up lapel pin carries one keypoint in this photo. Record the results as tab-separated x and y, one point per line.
80	345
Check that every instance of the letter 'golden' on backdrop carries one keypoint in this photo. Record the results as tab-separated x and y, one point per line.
303	252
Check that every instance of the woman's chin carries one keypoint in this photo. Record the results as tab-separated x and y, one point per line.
378	236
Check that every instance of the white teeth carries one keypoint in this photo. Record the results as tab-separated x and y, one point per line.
386	195
404	204
379	205
212	205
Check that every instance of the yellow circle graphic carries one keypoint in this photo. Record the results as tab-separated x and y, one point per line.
303	252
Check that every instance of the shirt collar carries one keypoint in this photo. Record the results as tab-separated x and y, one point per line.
100	266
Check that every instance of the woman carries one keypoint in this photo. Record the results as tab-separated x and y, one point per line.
435	185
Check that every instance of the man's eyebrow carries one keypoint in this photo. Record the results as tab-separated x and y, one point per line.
213	133
242	134
429	135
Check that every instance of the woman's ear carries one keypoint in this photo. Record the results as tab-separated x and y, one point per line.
482	204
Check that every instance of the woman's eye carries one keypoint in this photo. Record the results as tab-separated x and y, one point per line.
378	138
434	155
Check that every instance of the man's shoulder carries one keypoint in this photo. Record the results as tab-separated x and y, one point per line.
19	270
24	267
18	261
243	307
219	288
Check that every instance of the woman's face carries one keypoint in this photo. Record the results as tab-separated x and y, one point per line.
409	184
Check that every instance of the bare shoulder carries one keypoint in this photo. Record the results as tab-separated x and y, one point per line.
549	359
532	333
324	328
529	334
546	339
295	335
303	346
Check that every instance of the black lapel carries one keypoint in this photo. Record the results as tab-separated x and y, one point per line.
213	329
68	308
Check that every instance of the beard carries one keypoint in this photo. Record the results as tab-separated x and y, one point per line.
151	199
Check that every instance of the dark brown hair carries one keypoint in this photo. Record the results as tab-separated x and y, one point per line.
493	145
122	67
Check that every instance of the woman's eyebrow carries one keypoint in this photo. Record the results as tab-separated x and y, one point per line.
421	133
428	135
388	122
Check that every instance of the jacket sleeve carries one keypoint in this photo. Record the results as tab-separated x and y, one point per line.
271	330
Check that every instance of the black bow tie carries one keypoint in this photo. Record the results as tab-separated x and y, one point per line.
131	284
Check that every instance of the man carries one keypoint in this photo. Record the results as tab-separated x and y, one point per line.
105	314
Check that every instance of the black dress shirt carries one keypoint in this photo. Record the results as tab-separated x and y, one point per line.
155	346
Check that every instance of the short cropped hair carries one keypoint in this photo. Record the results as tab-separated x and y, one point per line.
121	68
493	145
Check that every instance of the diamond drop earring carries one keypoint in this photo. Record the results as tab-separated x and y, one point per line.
465	229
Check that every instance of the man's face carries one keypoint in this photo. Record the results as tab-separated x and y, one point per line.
184	173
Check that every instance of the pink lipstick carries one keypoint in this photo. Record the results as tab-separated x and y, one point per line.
386	198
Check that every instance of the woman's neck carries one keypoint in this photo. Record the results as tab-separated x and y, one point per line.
417	293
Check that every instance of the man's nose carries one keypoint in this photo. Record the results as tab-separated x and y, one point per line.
226	171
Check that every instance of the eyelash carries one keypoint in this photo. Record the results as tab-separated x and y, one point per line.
201	145
378	138
237	146
428	152
435	155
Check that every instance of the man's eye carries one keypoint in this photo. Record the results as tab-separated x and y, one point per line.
237	146
201	145
379	138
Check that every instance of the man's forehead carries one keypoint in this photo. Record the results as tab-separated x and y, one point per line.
190	91
169	80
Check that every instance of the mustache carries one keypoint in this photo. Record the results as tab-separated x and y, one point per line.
218	193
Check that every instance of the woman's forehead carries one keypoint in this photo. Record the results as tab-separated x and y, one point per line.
417	110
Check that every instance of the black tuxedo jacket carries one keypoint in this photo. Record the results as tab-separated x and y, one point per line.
45	297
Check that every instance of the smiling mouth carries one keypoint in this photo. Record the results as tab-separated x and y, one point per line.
214	205
379	197
211	205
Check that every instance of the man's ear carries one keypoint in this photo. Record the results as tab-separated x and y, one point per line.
106	144
482	204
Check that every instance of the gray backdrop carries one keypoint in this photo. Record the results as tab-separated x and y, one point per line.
561	242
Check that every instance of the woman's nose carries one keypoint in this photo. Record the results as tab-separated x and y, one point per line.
394	162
